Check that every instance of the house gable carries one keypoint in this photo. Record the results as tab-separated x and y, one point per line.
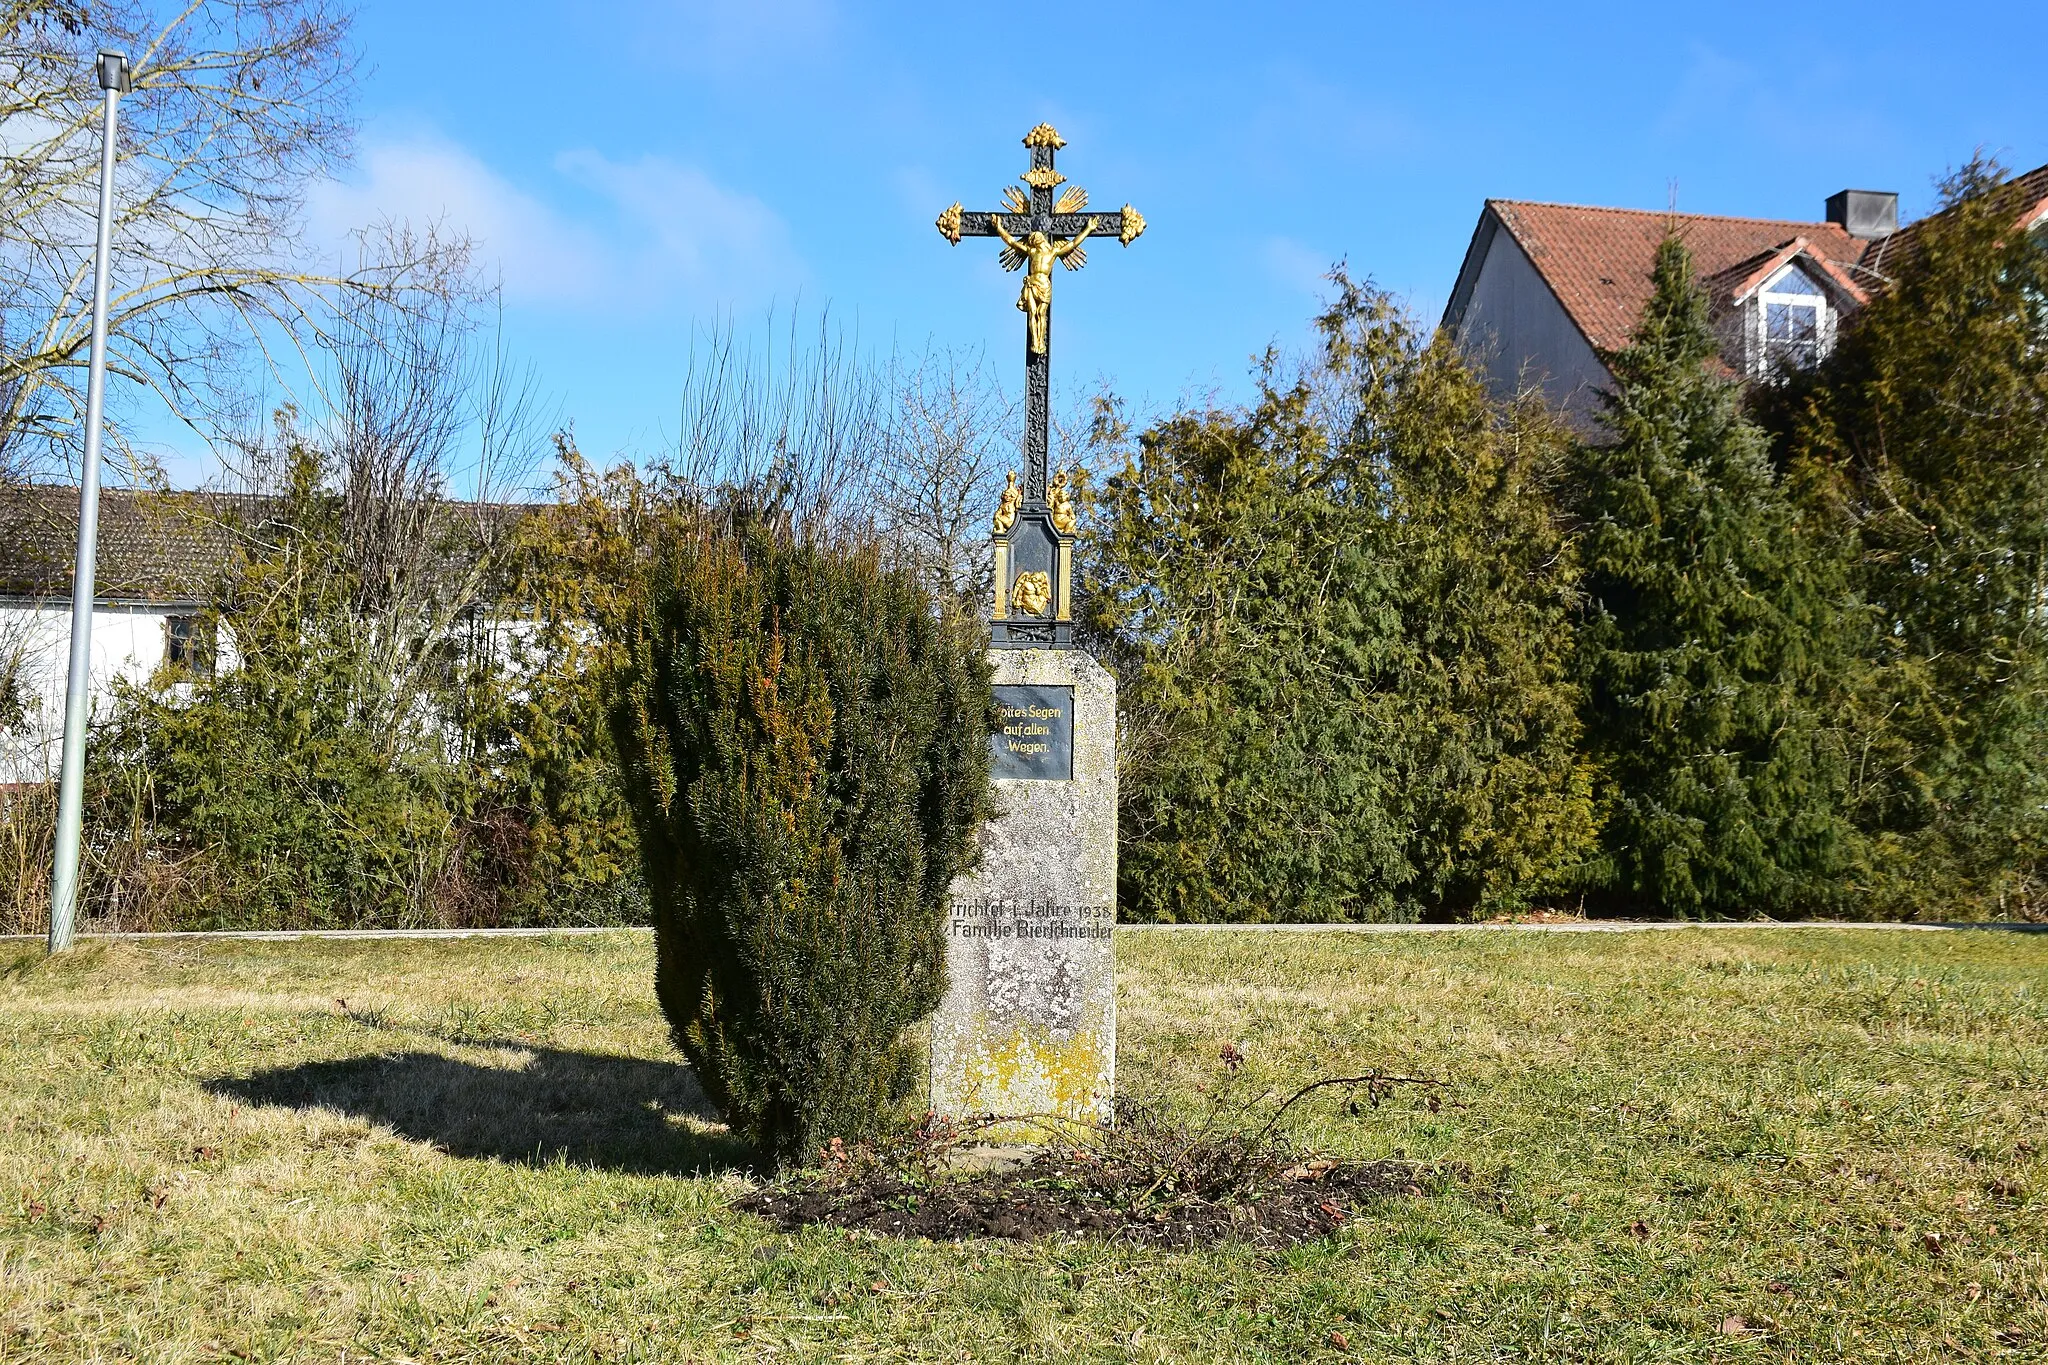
1508	318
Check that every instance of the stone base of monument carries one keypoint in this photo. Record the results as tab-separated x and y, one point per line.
1028	1027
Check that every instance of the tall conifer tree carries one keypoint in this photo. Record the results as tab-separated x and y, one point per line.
1492	789
1247	622
1705	641
1922	445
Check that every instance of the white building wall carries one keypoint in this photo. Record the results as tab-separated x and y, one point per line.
1519	335
127	642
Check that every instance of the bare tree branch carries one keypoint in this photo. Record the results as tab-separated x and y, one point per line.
801	433
954	432
238	106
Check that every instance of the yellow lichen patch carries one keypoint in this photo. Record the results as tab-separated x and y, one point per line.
1029	1071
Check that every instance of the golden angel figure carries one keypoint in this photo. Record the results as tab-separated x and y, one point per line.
1007	505
1036	253
1062	504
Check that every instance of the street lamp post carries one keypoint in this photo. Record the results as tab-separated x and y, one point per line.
114	81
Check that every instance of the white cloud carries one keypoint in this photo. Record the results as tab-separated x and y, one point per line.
1344	124
1725	97
918	192
690	234
646	234
543	256
1713	89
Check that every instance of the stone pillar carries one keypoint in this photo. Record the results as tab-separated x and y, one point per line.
1029	1021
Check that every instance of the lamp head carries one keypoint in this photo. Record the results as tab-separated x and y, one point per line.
113	71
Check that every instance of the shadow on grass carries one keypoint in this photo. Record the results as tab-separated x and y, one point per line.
609	1113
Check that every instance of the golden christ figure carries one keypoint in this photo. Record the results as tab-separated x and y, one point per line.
1036	253
1050	227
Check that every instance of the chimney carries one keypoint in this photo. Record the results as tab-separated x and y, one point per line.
1865	213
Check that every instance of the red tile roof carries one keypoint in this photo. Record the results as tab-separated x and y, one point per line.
1598	261
1743	278
1887	257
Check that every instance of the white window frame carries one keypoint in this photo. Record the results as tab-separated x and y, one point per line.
1758	323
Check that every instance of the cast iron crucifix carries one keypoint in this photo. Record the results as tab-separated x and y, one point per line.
1034	525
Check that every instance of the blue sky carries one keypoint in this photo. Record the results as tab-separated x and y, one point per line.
635	169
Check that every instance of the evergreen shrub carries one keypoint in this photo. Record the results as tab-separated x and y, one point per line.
1247	621
306	785
362	764
1921	447
1493	789
803	736
1340	621
1711	642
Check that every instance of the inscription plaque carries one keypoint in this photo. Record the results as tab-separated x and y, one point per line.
1035	742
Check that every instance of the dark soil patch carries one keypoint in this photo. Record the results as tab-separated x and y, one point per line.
1065	1193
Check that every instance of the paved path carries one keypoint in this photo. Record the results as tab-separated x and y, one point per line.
1553	927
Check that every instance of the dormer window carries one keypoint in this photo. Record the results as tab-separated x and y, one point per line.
1791	325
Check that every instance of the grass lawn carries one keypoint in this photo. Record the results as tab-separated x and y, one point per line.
1727	1145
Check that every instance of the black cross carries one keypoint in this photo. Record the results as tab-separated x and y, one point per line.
1061	218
